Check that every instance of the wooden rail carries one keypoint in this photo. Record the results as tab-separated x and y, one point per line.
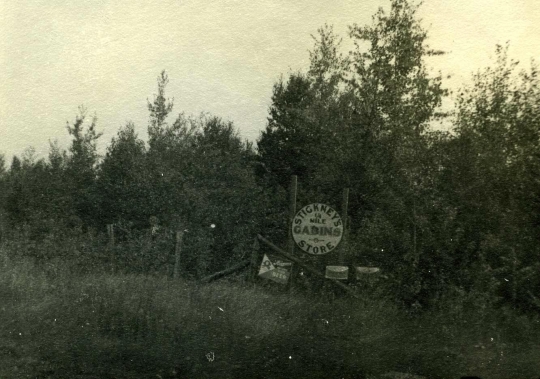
226	272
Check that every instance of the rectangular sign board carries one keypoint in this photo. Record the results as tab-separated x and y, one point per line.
337	272
275	268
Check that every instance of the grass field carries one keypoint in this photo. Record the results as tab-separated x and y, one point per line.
54	324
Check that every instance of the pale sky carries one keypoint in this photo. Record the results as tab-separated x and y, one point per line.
221	56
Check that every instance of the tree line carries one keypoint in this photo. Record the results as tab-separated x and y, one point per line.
444	213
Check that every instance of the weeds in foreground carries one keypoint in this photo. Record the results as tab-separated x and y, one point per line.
127	326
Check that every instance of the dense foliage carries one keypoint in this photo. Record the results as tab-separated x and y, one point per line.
445	214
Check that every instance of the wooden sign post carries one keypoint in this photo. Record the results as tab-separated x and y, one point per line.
290	240
345	215
254	261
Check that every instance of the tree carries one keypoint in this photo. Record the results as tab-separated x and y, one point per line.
219	189
60	199
395	92
3	193
498	134
2	165
159	110
308	126
122	180
81	165
362	122
200	173
26	201
286	146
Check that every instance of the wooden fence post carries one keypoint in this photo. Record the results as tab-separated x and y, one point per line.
110	232
177	253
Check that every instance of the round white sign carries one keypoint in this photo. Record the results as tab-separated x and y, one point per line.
317	229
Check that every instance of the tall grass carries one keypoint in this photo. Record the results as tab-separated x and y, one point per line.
56	324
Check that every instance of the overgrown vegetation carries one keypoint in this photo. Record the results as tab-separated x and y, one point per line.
55	324
452	218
